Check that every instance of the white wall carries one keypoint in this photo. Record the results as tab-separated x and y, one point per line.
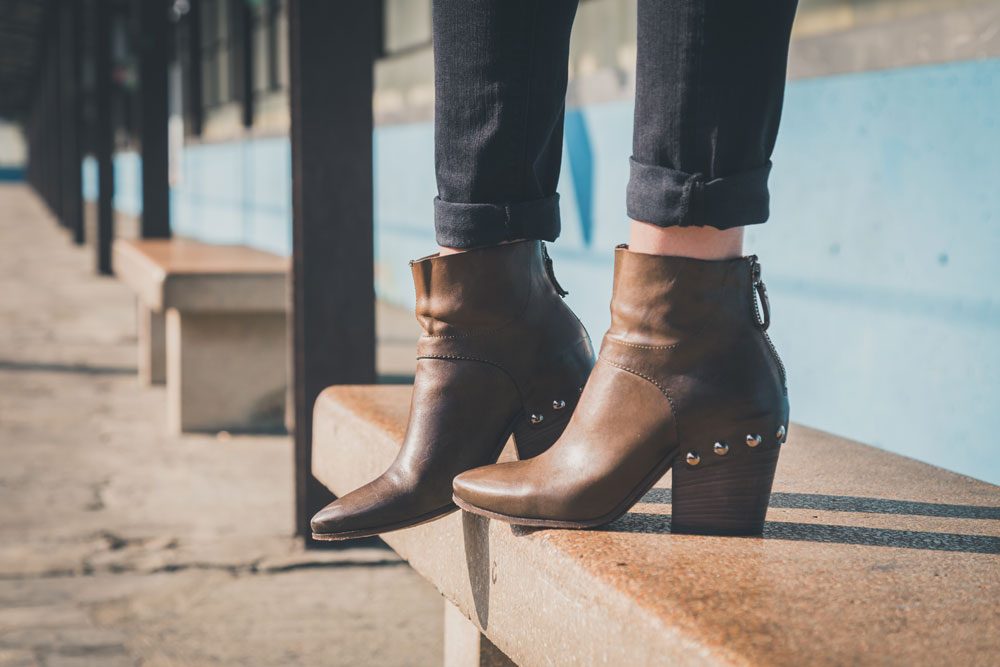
13	149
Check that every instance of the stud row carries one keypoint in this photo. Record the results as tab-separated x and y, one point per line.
557	405
721	448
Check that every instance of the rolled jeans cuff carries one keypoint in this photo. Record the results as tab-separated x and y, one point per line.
473	225
669	198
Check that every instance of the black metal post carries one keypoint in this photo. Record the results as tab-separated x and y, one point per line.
55	115
49	114
246	69
69	76
153	50
193	97
103	135
332	48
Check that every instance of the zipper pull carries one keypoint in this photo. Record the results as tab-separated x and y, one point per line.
761	295
548	269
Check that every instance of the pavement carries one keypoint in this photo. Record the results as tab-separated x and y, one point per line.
120	545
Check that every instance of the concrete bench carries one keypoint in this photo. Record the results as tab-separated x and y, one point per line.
212	325
867	558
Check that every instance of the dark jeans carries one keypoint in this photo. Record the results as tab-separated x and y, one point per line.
710	78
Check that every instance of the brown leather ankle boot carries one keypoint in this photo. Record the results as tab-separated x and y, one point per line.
501	353
688	378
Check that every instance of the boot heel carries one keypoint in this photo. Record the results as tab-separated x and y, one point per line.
532	437
726	489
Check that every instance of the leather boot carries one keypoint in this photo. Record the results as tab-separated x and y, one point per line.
501	354
686	377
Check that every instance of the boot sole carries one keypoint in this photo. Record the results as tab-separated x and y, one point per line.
636	494
731	503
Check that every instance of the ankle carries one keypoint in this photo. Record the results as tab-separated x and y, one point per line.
695	242
445	250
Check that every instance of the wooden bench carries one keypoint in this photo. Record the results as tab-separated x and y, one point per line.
212	325
867	558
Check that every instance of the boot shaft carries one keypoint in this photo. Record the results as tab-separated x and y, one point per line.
695	329
661	301
482	289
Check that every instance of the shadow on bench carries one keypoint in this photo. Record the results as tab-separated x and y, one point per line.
866	557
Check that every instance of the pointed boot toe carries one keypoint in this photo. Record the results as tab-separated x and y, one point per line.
501	354
329	520
380	506
351	516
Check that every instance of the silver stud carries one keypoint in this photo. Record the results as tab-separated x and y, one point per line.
692	458
558	404
720	448
781	433
753	440
537	419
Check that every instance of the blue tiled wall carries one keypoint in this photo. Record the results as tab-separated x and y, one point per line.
236	193
128	187
880	255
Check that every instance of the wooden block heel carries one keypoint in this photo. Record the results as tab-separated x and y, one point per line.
725	490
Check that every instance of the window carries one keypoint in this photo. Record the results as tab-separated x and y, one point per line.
268	34
270	46
216	53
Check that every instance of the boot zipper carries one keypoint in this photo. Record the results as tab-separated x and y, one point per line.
552	275
761	303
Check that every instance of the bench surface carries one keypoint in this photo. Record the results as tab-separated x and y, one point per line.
189	275
867	558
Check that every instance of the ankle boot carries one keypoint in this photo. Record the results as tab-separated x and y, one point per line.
501	354
686	377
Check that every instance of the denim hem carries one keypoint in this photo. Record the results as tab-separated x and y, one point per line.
472	225
669	198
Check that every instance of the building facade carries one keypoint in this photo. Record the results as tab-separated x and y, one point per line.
879	255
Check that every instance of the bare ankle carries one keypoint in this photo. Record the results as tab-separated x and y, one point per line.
445	250
696	242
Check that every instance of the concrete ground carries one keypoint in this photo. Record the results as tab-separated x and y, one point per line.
120	545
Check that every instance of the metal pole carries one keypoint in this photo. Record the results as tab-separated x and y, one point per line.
69	76
103	135
153	112
333	45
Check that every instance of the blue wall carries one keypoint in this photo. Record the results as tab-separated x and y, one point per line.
880	255
236	193
128	186
11	174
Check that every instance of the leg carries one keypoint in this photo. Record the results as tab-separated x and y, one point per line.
500	80
501	353
151	328
465	645
686	377
226	371
710	79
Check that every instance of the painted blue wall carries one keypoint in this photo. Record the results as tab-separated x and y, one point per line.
880	255
11	174
128	186
236	192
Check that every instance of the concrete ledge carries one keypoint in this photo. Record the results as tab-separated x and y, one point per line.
867	558
211	324
193	276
